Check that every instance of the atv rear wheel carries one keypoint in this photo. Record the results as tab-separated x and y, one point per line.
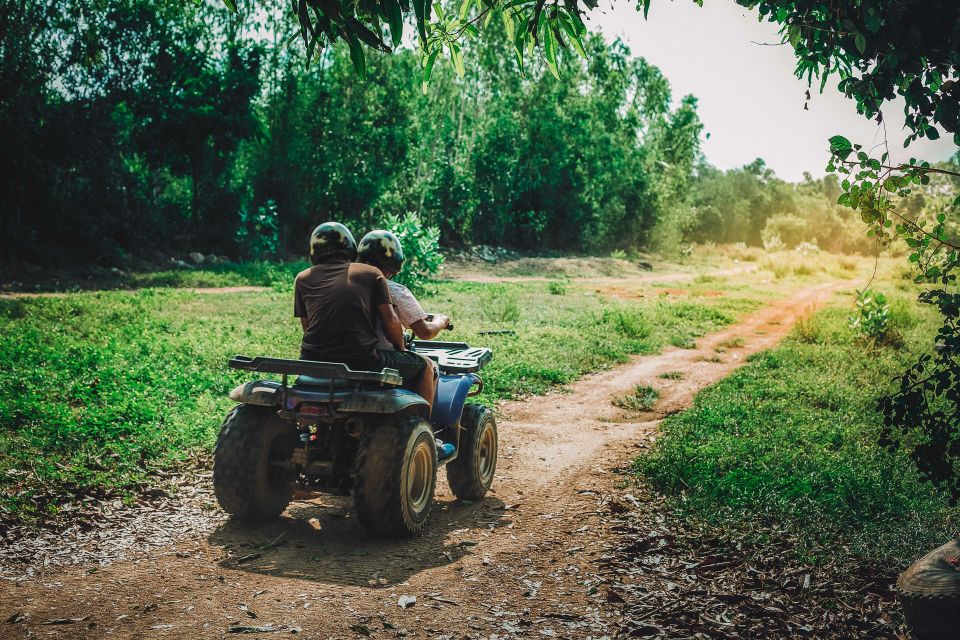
471	473
395	478
251	473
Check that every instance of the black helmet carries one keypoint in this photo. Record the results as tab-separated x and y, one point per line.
381	248
329	240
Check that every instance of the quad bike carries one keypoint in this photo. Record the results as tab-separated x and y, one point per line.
345	431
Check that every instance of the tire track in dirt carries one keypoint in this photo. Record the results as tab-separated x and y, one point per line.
521	563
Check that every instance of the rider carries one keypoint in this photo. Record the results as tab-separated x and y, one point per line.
382	249
339	303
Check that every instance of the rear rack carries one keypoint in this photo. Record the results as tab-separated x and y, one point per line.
454	357
335	370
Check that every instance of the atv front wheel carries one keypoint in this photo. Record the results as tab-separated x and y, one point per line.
471	473
396	475
251	473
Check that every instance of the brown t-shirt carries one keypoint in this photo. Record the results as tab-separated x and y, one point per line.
340	301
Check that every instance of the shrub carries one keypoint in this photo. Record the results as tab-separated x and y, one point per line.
557	287
627	322
619	254
642	398
421	249
259	232
807	330
872	319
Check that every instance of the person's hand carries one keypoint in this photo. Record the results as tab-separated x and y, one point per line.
442	320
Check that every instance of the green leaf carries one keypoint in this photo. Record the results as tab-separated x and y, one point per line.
574	37
457	58
428	70
839	143
861	43
465	9
550	51
419	10
508	24
357	55
932	133
231	5
394	15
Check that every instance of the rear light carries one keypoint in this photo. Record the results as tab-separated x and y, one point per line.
311	409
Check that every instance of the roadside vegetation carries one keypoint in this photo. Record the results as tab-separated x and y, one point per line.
787	446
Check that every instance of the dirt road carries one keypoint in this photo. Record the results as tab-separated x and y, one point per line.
521	563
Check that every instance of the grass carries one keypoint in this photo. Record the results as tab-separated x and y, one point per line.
102	392
789	443
642	398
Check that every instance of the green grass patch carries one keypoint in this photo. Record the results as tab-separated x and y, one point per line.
671	375
101	390
641	398
789	443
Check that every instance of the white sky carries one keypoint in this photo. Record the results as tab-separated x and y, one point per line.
749	100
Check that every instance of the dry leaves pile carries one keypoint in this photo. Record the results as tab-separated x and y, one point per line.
670	578
103	532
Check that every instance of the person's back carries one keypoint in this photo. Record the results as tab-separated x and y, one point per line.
339	300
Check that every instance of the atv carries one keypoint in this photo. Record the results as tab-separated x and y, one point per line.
343	431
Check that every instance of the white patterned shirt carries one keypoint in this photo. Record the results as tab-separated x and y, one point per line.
407	308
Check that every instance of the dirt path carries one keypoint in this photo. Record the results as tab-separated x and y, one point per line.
521	563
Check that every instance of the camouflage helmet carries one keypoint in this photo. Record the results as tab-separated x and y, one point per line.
331	239
381	248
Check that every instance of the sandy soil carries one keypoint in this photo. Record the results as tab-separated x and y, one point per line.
524	562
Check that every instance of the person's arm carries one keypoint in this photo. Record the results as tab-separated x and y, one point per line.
299	308
428	329
391	325
412	315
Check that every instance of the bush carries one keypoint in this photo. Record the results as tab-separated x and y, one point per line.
557	288
872	319
259	232
629	323
421	250
619	254
642	398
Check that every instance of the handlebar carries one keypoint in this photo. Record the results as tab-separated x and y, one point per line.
449	326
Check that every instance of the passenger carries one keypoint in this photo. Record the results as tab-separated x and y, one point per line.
383	250
340	302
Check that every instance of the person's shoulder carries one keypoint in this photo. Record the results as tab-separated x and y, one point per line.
400	290
362	269
303	274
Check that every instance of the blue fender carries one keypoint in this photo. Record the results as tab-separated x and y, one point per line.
451	395
386	401
269	393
